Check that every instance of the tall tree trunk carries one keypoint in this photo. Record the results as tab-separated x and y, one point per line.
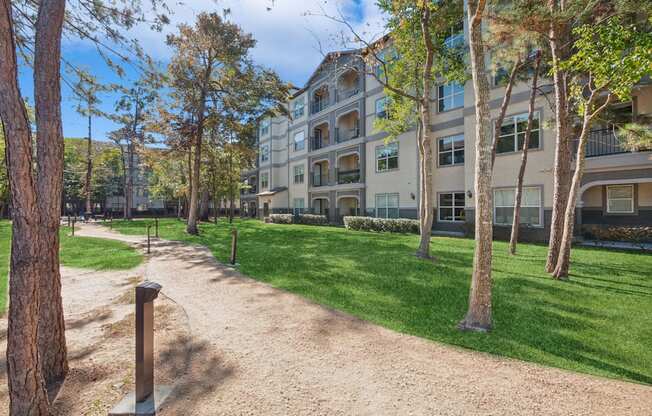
563	261
194	188
558	37
478	317
49	139
231	209
203	205
507	97
216	208
425	147
89	165
129	192
521	172
125	180
27	393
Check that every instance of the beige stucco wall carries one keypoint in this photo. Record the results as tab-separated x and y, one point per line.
645	194
592	197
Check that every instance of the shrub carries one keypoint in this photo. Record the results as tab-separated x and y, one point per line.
311	219
392	225
631	234
307	219
281	218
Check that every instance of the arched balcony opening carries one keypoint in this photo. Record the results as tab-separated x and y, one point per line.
348	206
348	126
320	170
320	136
320	99
320	206
348	84
348	169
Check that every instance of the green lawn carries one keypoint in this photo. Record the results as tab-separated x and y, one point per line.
599	322
80	252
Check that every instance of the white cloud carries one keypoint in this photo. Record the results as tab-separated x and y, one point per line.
286	36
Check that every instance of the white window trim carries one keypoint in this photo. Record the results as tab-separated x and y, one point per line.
302	174
447	206
538	188
452	151
264	153
376	107
386	196
627	199
537	116
440	97
398	152
303	141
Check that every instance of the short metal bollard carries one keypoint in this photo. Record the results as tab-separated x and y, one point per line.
68	220
147	397
74	220
234	245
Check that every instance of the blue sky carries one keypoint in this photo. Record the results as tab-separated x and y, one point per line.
286	36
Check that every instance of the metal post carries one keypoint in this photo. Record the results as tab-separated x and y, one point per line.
145	294
74	220
148	397
234	245
69	220
149	227
111	222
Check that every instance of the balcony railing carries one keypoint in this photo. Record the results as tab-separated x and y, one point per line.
343	135
319	179
318	105
348	176
344	93
248	191
603	142
320	142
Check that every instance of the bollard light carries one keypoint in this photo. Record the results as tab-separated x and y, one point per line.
147	397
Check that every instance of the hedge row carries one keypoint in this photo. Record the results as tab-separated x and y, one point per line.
631	234
392	225
307	219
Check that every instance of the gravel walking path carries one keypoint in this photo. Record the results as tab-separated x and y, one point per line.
257	350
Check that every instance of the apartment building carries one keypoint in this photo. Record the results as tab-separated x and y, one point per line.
329	159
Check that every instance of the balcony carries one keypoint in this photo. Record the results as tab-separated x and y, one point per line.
603	142
348	176
317	106
319	142
320	179
345	93
343	134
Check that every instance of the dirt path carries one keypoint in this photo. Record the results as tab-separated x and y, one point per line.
262	351
99	313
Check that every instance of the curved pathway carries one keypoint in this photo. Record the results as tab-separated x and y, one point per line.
262	351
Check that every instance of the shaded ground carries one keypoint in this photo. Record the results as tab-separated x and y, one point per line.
262	351
99	314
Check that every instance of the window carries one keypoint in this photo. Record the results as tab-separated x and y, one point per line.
456	39
530	206
451	96
451	150
381	107
299	141
264	153
387	157
297	108
298	174
512	134
388	56
298	206
264	126
620	199
264	181
451	207
387	205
